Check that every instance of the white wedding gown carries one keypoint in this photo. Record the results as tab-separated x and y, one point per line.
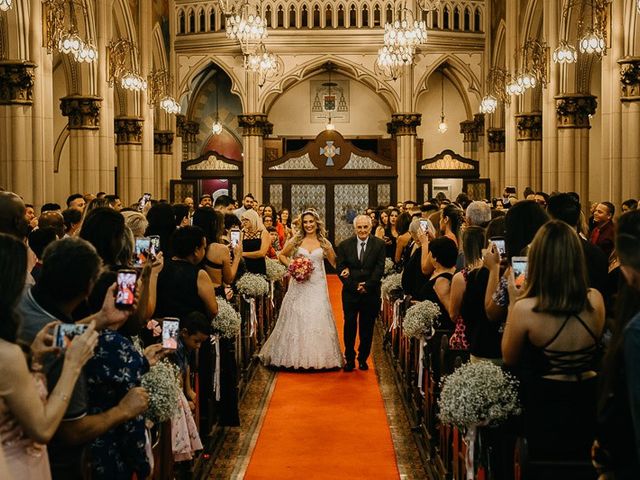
305	334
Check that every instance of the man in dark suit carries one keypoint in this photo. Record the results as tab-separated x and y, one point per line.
360	263
603	233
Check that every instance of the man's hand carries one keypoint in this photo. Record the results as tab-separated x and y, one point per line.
134	402
43	343
345	273
361	288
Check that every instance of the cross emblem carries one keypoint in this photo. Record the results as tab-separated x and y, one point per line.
329	151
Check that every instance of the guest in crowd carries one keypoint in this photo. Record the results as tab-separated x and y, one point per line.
603	232
383	223
630	204
39	239
552	338
162	222
404	242
54	220
114	202
478	213
414	282
136	221
29	418
616	451
247	204
76	201
255	242
205	200
451	222
284	226
391	233
72	218
224	204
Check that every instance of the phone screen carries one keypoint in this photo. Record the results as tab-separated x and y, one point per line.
143	201
519	266
154	249
235	238
142	251
64	334
499	243
126	288
170	329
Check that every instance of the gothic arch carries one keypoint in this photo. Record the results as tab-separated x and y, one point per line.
184	87
314	66
457	73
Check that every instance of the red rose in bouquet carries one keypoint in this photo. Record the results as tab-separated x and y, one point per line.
300	269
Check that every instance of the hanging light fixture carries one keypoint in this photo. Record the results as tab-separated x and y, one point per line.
391	60
216	128
59	36
5	5
565	53
263	62
246	27
488	104
120	53
593	42
442	126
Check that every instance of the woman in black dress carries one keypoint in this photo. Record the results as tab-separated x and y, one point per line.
255	242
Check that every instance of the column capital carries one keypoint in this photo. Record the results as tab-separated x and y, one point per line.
469	129
496	139
255	125
162	142
630	78
529	126
180	121
573	110
128	130
404	123
478	118
83	111
16	82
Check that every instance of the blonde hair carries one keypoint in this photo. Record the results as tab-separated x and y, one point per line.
557	272
321	232
254	219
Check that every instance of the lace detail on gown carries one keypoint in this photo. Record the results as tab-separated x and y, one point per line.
305	335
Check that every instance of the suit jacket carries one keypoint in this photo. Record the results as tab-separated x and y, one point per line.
605	239
370	270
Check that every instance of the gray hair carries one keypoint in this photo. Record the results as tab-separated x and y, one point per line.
136	221
414	227
366	217
478	213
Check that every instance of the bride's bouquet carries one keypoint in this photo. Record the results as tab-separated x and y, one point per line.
300	268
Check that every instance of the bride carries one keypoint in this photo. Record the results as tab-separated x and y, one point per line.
305	334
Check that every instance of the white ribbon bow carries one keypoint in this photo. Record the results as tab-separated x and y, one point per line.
423	343
470	440
396	314
215	343
253	317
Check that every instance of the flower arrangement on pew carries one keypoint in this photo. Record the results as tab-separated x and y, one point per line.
391	285
163	386
227	322
389	267
419	321
300	268
478	394
275	270
252	285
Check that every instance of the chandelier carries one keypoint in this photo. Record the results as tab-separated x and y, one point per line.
119	52
497	81
160	84
592	37
263	62
61	29
442	126
246	27
5	5
391	60
217	128
565	53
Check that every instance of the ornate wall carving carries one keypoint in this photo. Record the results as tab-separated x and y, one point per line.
128	130
162	143
255	124
496	139
16	82
529	126
404	123
573	111
83	111
630	78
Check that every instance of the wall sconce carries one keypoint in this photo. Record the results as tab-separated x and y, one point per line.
263	62
160	83
5	5
497	81
119	51
61	30
592	38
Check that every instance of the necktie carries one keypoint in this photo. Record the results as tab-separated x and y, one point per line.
361	256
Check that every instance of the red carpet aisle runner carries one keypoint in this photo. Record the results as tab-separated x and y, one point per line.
325	425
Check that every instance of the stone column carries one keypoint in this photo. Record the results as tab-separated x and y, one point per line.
189	139
84	141
104	25
128	132
552	12
478	119
16	100
573	113
630	173
403	127
529	167
162	162
254	128
495	137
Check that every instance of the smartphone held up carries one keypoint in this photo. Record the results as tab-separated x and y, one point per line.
126	288
519	268
64	333
170	330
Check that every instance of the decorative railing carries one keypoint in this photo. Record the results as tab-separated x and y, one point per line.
196	17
